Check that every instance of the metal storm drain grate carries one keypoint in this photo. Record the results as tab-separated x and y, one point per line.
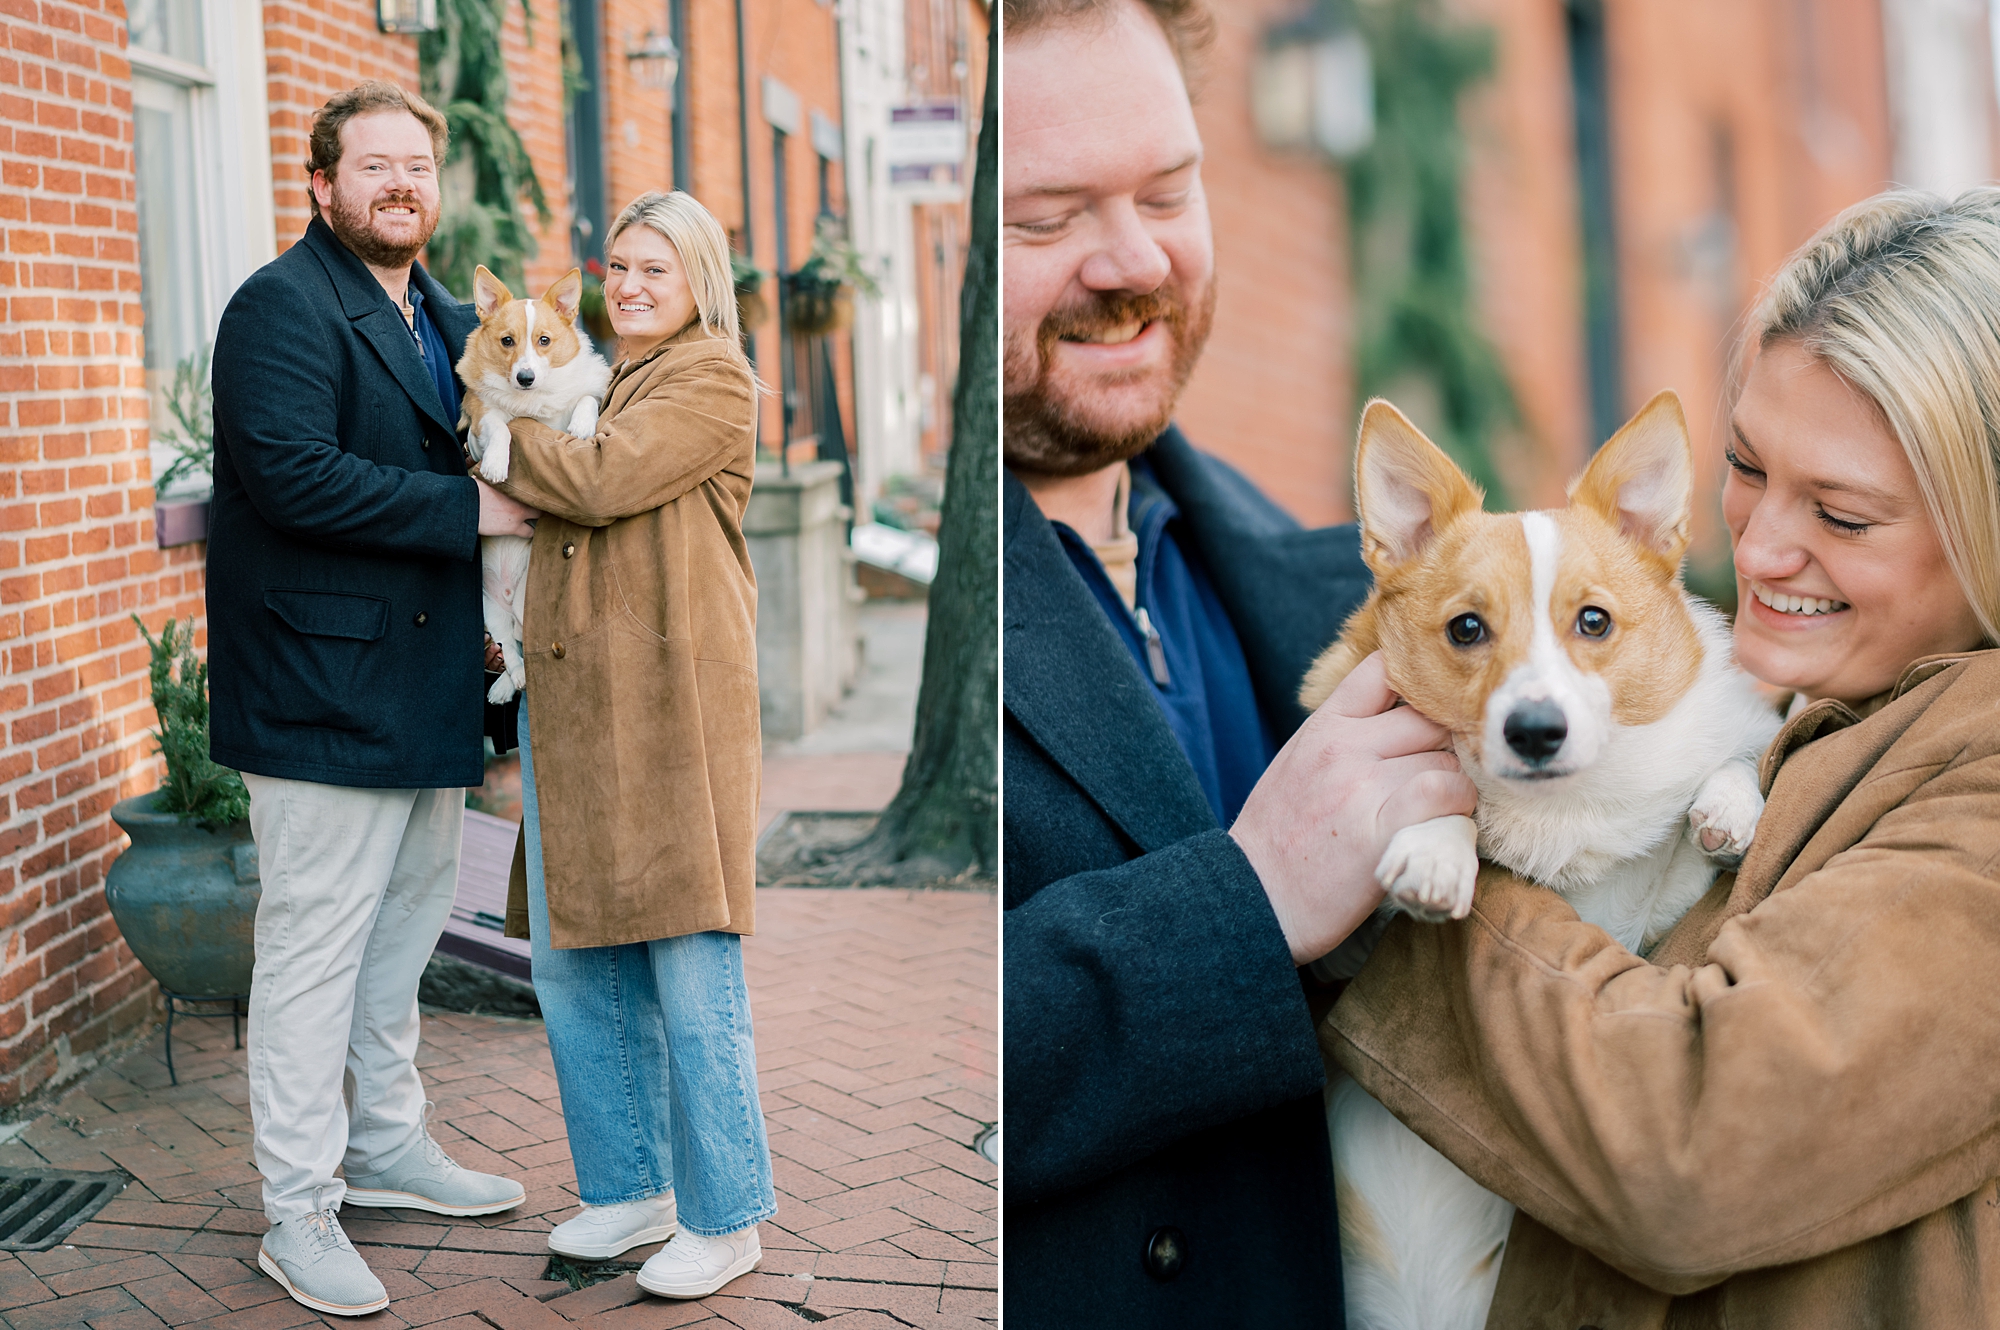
39	1206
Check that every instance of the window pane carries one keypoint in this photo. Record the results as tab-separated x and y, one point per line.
171	27
172	288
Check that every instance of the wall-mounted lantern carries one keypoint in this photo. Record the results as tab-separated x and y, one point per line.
654	62
1313	85
406	16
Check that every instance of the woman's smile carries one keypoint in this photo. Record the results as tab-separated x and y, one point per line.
1794	606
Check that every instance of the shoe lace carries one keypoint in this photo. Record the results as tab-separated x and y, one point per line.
434	1154
322	1230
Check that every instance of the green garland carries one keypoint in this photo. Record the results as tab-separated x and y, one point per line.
1412	278
488	172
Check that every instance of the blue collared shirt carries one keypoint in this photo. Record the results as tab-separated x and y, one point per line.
437	357
1207	696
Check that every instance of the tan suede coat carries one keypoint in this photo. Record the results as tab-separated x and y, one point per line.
641	647
1788	1118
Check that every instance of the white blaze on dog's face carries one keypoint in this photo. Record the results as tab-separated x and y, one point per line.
518	342
1531	635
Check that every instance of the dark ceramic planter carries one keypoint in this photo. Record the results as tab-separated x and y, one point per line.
186	900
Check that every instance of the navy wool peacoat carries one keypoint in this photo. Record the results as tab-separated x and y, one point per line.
344	625
1166	1157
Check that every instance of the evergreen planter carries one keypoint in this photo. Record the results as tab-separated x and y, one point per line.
185	897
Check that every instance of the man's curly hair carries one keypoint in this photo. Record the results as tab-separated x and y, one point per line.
1189	25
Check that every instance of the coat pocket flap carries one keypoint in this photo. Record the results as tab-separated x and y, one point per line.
330	613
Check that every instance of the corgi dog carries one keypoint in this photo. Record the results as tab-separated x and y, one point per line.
1597	708
524	359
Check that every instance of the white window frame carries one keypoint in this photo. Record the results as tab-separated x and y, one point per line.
234	208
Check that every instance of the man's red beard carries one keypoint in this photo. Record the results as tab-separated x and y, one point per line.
354	223
1049	434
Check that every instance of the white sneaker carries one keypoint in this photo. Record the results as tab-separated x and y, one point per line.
694	1267
603	1231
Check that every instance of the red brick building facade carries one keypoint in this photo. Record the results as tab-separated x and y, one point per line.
1730	131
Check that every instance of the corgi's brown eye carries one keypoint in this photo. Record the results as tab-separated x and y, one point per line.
506	341
1592	622
544	341
1466	629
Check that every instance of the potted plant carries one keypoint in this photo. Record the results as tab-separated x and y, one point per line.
752	310
190	434
817	298
185	893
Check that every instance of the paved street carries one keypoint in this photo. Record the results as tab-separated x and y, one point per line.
877	1025
876	1035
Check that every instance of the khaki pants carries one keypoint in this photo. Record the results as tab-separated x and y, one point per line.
357	886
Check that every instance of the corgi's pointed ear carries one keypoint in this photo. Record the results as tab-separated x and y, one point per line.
566	294
488	292
1405	487
1642	480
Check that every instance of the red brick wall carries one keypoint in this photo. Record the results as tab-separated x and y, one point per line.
76	536
1773	115
535	109
311	51
1273	393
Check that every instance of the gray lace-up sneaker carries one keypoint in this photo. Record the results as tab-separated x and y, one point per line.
314	1262
424	1177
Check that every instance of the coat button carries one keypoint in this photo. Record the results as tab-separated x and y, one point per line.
423	617
556	650
569	548
1166	1252
424	444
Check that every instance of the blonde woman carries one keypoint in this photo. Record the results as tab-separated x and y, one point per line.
634	878
1788	1113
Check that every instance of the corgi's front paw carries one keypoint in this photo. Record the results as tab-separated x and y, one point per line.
503	689
583	420
1723	819
496	447
1429	869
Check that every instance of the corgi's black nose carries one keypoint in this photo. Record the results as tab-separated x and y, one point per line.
525	377
1535	731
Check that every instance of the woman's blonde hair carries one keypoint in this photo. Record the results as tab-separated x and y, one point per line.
704	249
1900	296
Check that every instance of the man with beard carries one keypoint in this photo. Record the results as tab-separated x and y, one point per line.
345	675
1166	1159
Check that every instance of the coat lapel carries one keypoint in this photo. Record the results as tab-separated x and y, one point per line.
1071	684
1287	590
454	321
368	309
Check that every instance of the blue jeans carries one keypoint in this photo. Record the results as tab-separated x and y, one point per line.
655	1061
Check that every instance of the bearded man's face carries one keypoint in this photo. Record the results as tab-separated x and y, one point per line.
382	199
1109	279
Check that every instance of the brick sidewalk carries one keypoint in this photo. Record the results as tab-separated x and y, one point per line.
877	1022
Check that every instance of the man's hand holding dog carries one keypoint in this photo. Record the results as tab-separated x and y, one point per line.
1357	772
502	516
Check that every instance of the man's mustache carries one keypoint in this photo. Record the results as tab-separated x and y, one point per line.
1111	312
404	198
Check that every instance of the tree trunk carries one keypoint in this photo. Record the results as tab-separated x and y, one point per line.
943	824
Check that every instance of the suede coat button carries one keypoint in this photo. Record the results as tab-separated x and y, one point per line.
556	650
569	548
423	617
1166	1252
